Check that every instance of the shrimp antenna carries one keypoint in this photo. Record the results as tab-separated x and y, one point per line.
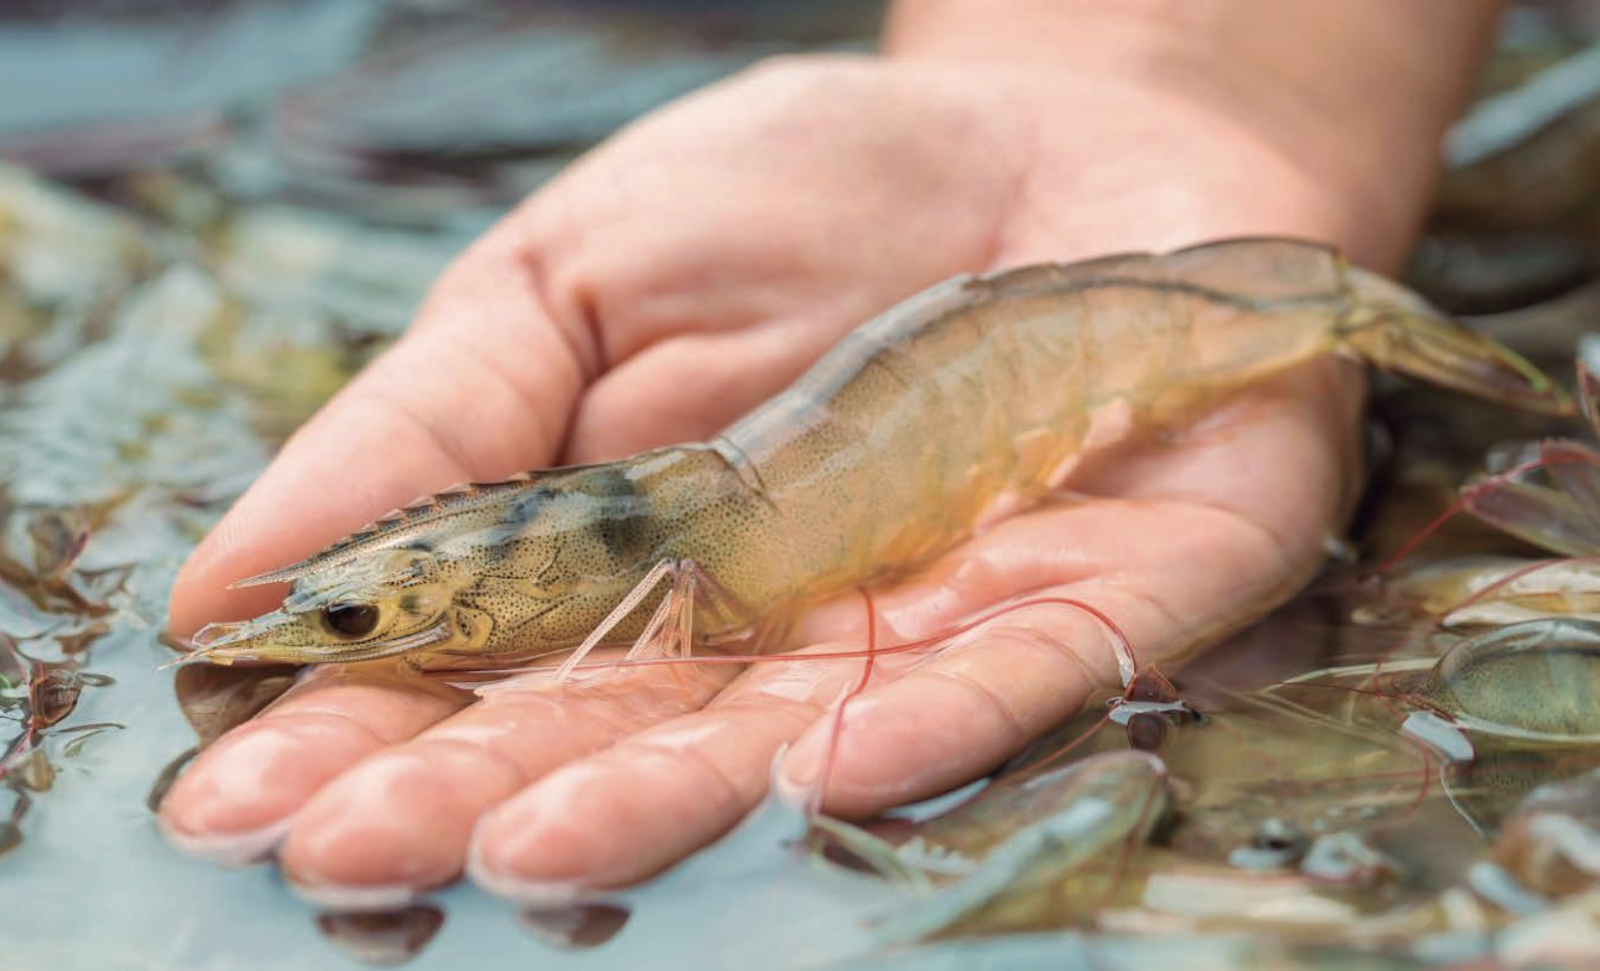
193	654
819	796
1121	646
1460	505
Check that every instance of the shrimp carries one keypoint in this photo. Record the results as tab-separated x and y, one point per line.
969	400
1547	496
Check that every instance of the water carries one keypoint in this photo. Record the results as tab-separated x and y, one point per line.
147	379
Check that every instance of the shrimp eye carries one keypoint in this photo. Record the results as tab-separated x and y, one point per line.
351	620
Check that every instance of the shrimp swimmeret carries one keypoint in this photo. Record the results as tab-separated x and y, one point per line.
974	395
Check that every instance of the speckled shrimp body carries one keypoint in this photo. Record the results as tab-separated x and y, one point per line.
974	395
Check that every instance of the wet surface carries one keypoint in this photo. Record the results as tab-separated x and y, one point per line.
210	236
209	219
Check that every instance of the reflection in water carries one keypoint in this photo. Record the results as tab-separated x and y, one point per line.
215	699
578	927
382	938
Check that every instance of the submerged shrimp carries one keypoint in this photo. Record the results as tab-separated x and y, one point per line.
974	396
1547	495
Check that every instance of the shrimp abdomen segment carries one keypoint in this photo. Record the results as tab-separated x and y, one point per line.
981	389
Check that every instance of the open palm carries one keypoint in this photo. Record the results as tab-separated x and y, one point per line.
661	287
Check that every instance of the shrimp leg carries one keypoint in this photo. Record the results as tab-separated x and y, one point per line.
673	621
656	625
670	628
662	570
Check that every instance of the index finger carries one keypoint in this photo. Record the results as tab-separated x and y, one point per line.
482	385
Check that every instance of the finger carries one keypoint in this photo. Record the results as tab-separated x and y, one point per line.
635	808
481	386
399	822
658	795
963	713
236	801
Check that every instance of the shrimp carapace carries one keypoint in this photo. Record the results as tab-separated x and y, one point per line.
975	395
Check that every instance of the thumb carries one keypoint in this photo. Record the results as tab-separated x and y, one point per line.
482	385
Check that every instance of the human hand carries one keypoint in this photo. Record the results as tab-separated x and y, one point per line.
664	285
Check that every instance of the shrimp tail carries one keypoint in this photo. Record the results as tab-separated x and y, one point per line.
1395	330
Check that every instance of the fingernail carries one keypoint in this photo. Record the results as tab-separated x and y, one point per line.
530	893
790	779
794	774
357	899
237	848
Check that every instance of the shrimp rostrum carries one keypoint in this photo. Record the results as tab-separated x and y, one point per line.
975	395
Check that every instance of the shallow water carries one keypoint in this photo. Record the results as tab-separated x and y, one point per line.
156	351
158	346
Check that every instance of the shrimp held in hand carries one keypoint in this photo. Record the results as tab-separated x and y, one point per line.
976	395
